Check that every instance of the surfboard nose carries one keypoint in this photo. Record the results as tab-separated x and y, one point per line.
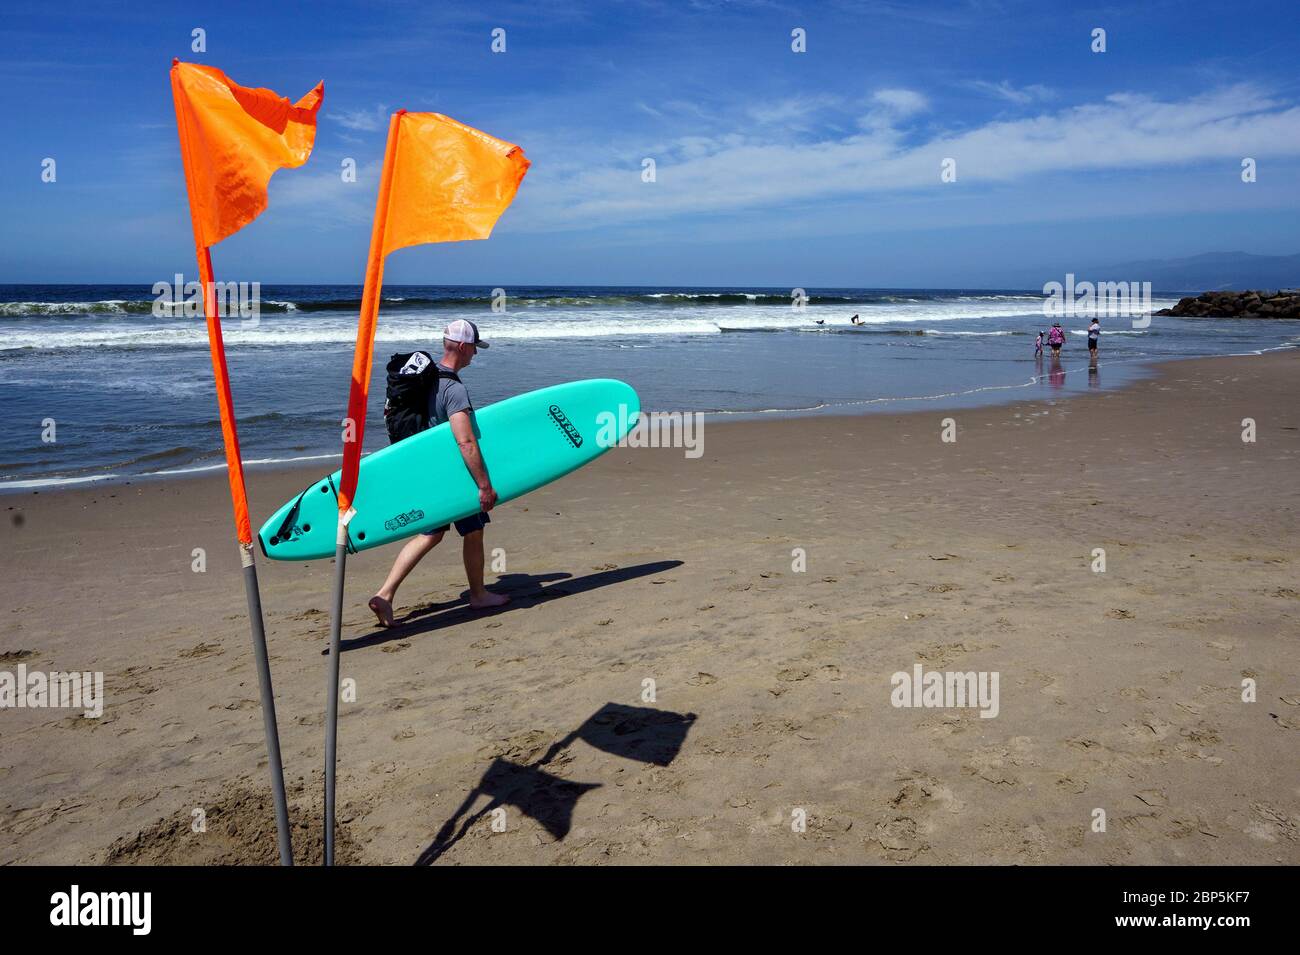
300	530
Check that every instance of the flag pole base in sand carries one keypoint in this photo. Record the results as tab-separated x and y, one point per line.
332	682
269	723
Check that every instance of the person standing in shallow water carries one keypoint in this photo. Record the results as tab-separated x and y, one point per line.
1094	332
1056	338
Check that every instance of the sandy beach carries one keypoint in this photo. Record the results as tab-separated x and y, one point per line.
1119	691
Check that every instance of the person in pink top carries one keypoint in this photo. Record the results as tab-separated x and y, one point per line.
1056	338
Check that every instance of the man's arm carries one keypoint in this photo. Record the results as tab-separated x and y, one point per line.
463	428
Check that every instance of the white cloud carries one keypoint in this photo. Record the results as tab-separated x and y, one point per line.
1023	95
793	111
365	120
318	191
901	102
741	171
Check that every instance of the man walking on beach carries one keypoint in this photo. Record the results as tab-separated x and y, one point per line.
449	402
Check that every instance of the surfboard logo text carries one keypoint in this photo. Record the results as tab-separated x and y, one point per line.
403	520
566	426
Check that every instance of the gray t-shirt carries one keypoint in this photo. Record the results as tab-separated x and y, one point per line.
447	399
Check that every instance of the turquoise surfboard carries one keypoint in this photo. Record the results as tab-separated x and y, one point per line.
422	482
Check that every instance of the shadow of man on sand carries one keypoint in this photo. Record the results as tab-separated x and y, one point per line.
524	591
634	732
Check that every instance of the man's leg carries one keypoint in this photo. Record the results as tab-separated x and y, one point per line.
479	597
410	554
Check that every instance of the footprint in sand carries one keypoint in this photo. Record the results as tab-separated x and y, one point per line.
899	838
236	705
202	650
1148	728
1202	733
940	654
1222	650
1071	785
1271	824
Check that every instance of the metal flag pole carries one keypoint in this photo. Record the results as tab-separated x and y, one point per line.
355	430
235	468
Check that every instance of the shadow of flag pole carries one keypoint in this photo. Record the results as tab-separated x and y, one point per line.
232	140
442	181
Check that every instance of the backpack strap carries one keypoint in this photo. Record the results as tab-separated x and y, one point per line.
447	374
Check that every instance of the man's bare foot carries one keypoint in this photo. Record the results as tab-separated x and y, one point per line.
383	610
487	600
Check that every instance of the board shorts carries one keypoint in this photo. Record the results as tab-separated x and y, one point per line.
465	526
1092	344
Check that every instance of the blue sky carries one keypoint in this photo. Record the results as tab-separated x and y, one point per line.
773	167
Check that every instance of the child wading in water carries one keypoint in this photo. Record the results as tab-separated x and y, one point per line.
1038	346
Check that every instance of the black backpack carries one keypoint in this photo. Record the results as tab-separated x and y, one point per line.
412	379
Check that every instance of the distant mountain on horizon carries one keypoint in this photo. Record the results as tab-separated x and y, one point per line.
1210	271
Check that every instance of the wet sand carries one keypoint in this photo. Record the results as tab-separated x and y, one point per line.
1118	691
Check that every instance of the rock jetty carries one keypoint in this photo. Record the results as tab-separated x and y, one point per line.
1284	303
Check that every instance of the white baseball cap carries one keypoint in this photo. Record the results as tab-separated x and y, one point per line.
463	331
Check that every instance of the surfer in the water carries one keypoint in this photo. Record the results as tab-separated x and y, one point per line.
449	401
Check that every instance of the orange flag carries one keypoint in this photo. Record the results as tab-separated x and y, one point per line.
232	139
443	181
450	181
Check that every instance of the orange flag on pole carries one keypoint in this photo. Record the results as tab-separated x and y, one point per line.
233	138
451	182
442	181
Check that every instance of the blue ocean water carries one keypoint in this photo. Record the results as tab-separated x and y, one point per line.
131	393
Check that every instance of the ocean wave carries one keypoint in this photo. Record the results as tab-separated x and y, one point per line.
1106	332
523	298
23	484
193	334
